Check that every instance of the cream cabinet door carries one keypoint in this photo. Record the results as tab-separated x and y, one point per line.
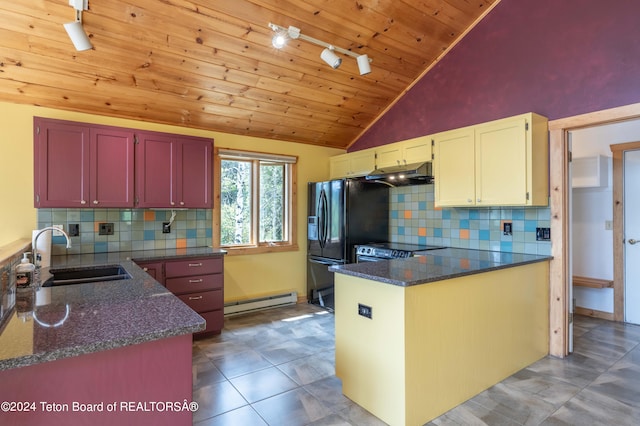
362	162
339	166
389	155
454	168
358	163
417	150
501	163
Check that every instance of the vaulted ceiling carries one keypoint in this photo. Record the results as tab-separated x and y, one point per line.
211	64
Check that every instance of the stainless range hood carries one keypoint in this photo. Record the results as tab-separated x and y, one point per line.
405	174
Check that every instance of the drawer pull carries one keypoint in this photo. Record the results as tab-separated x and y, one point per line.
196	281
195	298
195	265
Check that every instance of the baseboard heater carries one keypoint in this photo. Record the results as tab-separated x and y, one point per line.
251	305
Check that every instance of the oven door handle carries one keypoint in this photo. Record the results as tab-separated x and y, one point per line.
326	262
361	258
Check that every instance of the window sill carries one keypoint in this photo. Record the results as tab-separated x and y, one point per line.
236	251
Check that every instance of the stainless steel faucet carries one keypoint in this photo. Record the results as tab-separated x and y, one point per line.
35	242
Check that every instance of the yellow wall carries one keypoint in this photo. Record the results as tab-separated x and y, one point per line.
245	276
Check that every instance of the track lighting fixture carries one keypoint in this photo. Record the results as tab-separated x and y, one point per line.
331	58
328	54
75	30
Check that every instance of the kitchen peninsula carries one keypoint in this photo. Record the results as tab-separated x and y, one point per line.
124	342
416	337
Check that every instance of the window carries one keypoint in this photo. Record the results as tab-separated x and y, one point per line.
257	202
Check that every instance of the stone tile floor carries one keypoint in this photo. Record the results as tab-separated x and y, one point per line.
276	368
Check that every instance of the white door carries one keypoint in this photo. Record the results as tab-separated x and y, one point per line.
632	236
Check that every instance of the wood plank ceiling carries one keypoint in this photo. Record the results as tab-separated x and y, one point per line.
211	64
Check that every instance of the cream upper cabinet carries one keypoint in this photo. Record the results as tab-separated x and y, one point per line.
454	168
499	163
353	164
388	155
415	150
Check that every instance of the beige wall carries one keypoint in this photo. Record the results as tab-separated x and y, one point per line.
245	276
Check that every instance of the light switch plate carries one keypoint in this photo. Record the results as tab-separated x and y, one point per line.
58	233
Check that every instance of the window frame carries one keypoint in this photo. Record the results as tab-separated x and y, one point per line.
290	222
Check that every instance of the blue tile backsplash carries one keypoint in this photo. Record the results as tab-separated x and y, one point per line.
133	229
414	220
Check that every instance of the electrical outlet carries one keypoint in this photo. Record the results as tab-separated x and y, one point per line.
166	227
105	229
608	225
365	311
74	229
507	228
543	234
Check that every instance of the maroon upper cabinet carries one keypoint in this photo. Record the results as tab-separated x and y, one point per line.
173	171
111	152
82	165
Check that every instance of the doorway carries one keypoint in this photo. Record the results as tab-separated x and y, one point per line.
560	279
626	163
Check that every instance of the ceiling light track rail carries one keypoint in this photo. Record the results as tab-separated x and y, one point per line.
282	34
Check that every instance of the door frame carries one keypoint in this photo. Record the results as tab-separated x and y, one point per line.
618	151
559	279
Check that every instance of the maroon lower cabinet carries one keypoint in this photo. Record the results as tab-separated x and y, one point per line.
198	282
155	269
144	384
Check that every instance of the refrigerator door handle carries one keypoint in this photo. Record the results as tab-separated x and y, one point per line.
322	213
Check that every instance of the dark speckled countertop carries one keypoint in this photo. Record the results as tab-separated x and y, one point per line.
436	265
84	318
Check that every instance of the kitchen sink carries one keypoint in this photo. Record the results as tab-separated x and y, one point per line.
90	274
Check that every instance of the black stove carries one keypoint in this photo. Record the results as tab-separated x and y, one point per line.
381	251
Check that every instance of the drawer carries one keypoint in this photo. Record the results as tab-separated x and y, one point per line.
215	322
194	283
196	266
203	301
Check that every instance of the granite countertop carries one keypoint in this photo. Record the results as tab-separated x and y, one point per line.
71	320
436	265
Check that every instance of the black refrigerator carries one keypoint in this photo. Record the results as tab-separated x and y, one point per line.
342	213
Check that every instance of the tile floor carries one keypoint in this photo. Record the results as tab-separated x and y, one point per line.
276	368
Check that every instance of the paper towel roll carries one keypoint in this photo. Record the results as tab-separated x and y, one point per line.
44	247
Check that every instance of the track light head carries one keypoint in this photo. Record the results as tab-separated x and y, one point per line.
75	30
363	64
331	58
77	35
279	40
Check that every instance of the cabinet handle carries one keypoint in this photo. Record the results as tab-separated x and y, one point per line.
182	203
145	269
172	203
83	202
195	265
479	200
469	200
196	281
95	201
195	298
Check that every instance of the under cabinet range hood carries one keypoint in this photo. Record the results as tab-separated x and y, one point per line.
404	174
